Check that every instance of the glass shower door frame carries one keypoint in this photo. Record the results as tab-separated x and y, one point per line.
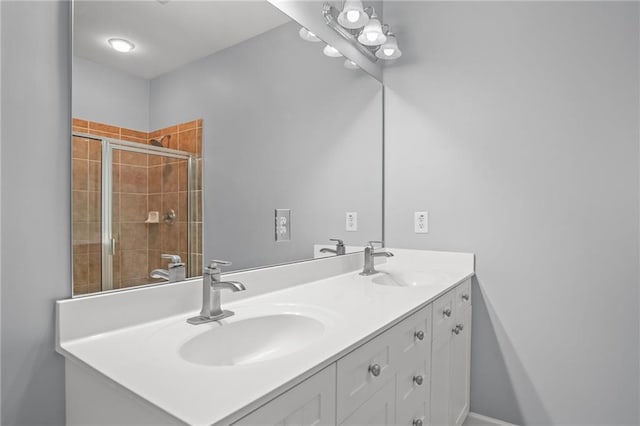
108	242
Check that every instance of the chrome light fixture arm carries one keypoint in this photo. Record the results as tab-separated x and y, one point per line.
330	13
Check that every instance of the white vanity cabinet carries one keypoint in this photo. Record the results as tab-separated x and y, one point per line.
451	357
416	373
311	403
386	380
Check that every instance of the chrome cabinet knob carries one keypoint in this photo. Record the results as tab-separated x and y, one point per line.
418	380
460	327
375	370
455	330
446	312
417	422
465	296
419	334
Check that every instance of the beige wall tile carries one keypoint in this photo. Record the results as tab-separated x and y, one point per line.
80	206
133	207
133	179
133	236
80	175
134	264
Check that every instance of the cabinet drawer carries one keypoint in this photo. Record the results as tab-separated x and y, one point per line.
412	393
463	296
379	410
414	336
365	371
444	314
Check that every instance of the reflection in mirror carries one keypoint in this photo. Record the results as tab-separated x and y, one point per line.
290	142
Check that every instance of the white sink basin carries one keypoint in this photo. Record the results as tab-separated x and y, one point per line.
411	278
251	340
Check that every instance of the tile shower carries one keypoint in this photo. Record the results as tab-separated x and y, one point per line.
142	183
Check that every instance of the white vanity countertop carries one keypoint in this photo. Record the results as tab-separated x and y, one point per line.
143	358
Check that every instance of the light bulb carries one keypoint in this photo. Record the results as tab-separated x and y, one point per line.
350	65
307	35
353	16
389	50
121	45
372	34
331	51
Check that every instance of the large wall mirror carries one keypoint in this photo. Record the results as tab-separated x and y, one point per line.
213	129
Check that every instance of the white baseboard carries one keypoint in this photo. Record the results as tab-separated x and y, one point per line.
474	419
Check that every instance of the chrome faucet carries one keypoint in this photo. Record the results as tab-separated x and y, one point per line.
340	249
174	272
369	255
211	285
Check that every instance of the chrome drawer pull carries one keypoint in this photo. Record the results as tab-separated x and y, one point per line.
446	312
456	330
375	370
465	297
417	422
418	380
419	335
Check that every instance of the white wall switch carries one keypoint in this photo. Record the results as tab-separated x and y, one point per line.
283	225
421	222
352	221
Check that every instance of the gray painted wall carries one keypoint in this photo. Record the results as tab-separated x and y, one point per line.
108	95
35	201
515	124
0	213
284	127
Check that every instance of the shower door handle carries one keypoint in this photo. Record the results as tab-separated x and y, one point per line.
112	249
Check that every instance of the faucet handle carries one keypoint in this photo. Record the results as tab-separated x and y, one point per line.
216	264
337	240
371	243
174	258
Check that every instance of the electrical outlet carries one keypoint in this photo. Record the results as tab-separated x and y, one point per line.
283	225
352	221
421	222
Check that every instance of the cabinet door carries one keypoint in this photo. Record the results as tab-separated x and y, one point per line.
460	368
310	403
379	410
441	381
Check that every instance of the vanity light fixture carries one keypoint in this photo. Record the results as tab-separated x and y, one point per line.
389	49
121	45
372	34
353	15
331	51
307	35
371	41
350	65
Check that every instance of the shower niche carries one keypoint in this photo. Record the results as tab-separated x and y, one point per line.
136	197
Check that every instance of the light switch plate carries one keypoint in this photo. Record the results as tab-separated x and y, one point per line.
283	225
421	222
352	221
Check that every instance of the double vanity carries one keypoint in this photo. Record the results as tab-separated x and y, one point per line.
308	343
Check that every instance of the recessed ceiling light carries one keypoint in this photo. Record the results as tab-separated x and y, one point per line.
121	45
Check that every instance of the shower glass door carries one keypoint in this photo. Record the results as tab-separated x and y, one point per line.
147	211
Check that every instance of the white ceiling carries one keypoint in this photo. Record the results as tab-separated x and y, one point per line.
169	34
